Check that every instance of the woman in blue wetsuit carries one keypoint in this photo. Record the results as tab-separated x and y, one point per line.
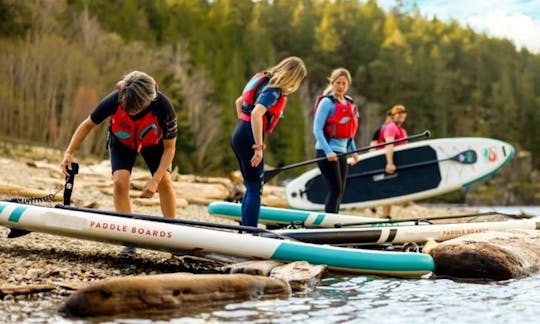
335	125
259	109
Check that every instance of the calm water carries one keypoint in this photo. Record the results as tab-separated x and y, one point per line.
347	299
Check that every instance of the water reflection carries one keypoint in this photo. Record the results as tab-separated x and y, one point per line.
342	300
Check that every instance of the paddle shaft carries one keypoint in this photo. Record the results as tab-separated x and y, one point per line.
174	221
269	174
408	166
337	225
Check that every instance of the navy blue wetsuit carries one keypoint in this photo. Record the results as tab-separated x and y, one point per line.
123	157
242	141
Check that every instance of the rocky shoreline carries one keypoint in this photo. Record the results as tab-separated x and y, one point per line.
66	264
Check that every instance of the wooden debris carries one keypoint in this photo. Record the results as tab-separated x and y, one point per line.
169	291
24	289
154	201
18	191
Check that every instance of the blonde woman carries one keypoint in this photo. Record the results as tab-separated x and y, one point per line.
334	127
143	121
259	109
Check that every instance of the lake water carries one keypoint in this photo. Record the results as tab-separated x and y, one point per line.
340	299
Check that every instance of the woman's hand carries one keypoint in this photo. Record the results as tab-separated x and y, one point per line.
257	158
331	156
66	163
355	158
149	189
390	168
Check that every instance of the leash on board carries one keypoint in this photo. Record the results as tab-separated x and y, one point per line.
67	187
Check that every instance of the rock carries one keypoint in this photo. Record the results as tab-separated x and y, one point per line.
497	255
429	245
169	291
300	275
258	268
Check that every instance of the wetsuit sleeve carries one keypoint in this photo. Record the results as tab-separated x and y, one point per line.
323	111
376	134
107	107
352	145
268	97
167	117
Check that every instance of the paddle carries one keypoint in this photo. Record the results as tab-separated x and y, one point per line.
68	189
417	220
465	157
175	221
70	179
270	174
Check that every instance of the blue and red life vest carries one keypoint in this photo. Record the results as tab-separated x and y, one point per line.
136	134
343	123
273	113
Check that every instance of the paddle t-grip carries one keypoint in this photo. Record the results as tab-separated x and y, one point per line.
70	179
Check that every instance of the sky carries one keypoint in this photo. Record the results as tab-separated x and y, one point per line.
516	20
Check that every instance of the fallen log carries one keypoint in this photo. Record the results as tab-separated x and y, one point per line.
24	289
180	202
150	294
496	255
18	191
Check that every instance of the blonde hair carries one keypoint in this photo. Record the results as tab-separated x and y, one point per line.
136	91
337	73
287	75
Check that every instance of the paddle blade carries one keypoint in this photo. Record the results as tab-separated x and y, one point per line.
13	233
270	174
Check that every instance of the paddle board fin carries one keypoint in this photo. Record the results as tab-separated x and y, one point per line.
14	233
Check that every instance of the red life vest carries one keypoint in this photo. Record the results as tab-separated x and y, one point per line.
344	121
135	134
273	113
402	133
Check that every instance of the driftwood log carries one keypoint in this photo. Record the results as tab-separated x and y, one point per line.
177	291
24	289
191	188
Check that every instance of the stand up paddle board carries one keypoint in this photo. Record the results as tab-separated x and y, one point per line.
402	234
282	216
424	169
149	232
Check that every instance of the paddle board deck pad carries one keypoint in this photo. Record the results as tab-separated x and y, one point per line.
424	169
402	234
139	232
283	216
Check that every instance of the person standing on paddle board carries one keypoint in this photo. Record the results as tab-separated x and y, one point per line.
143	121
391	131
334	127
259	109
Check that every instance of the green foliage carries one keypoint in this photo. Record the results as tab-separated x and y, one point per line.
454	81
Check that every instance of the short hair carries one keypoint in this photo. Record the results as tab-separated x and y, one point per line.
136	91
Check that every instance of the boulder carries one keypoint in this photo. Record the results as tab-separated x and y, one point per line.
177	291
257	268
300	274
496	255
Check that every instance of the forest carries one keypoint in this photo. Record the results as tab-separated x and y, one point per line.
60	57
